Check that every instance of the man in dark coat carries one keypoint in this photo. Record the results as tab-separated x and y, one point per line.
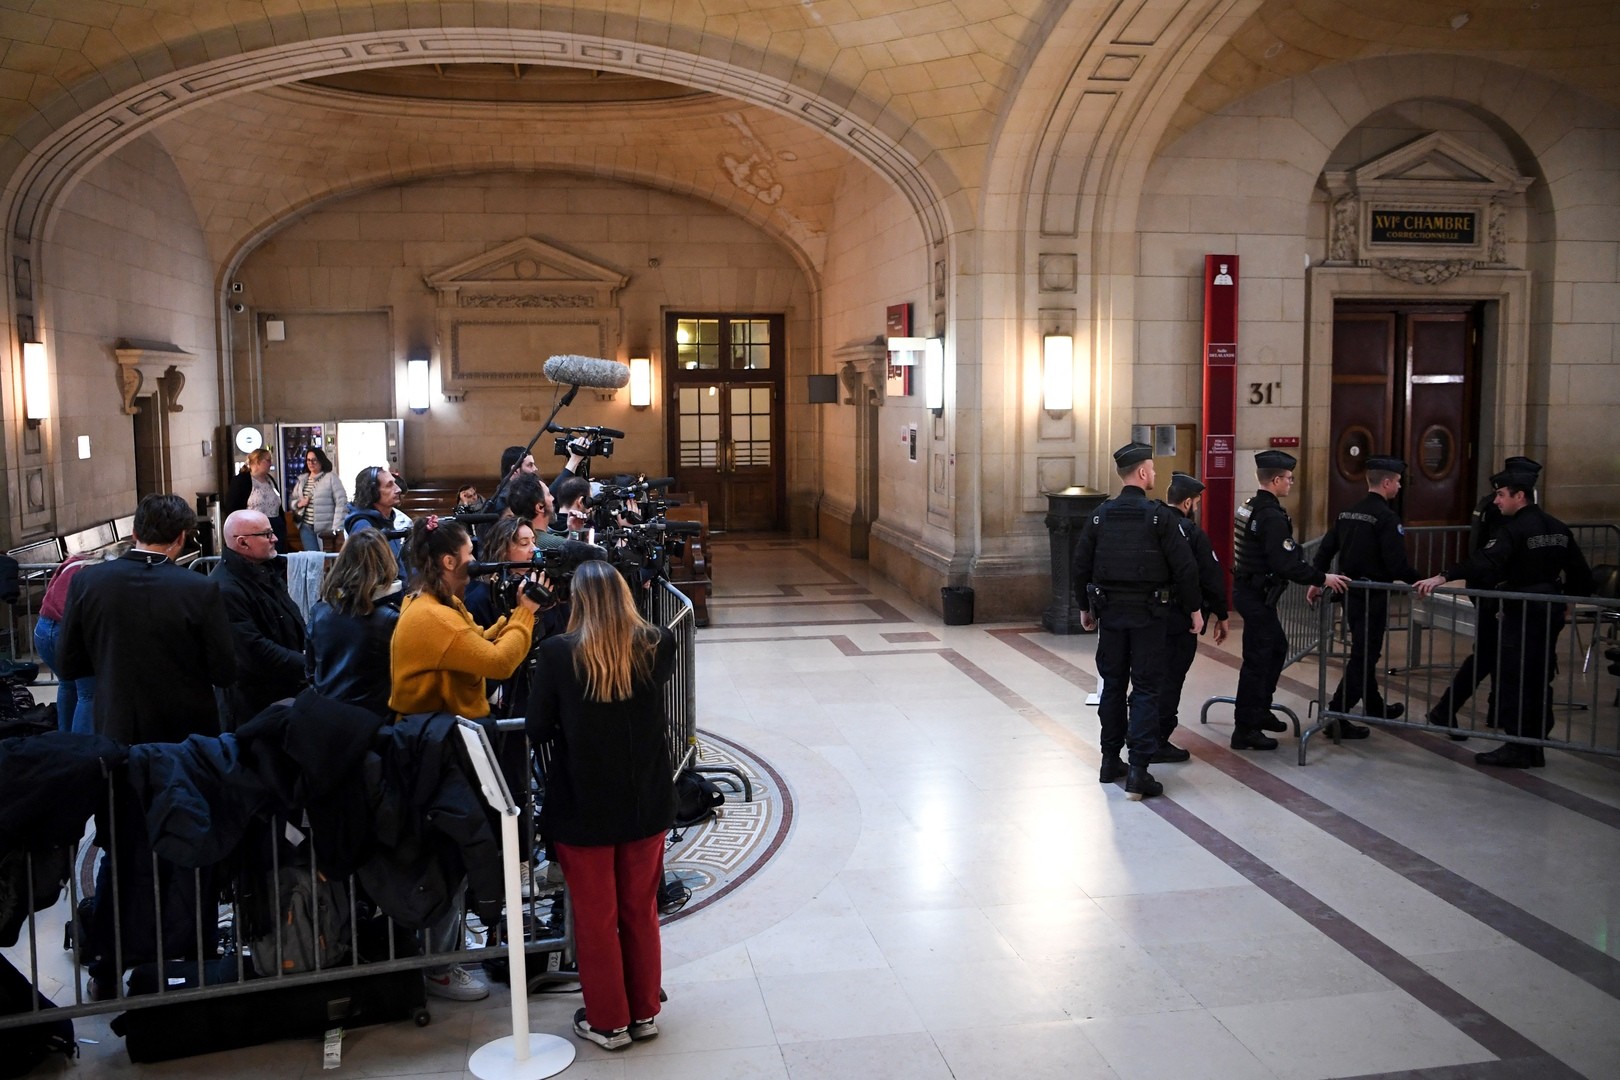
1370	544
1132	569
1265	559
1533	552
267	628
155	635
1181	646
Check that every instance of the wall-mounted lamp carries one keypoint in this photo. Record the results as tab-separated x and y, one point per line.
1057	372
934	375
36	383
640	382
418	394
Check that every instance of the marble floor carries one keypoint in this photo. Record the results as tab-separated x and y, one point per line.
957	896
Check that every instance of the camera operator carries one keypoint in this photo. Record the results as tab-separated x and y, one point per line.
440	661
530	500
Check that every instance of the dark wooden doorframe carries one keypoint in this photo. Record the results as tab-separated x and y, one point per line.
1420	363
720	391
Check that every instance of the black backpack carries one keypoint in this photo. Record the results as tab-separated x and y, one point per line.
697	798
21	1048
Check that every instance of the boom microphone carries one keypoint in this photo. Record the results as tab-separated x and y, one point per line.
611	433
587	371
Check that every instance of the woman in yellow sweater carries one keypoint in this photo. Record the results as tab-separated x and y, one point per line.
440	656
440	659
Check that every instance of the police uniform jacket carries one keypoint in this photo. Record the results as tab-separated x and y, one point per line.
1211	578
1370	543
1263	545
1143	552
1532	552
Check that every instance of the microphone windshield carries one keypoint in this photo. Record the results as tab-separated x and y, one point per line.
587	371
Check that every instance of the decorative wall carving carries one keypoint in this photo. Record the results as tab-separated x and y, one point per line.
1436	176
533	300
159	361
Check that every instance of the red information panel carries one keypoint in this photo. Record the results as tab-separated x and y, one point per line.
1220	401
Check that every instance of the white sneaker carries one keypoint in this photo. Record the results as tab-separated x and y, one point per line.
455	983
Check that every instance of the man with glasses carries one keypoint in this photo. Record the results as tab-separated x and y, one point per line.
267	630
1265	559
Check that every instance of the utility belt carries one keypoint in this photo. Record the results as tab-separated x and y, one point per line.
1269	585
1103	597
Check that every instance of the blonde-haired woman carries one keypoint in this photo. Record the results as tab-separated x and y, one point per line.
252	489
610	796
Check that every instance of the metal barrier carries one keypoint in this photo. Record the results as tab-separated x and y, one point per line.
1301	626
1540	675
215	930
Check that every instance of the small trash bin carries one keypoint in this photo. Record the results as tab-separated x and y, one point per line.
958	602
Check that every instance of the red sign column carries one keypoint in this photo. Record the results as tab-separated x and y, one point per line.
1220	402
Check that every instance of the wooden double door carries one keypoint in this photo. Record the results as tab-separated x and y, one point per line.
724	373
1405	382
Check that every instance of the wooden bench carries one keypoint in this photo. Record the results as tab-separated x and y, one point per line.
693	571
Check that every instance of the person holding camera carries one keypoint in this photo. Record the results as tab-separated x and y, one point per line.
440	659
610	795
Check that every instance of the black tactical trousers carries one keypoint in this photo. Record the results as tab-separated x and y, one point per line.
1180	647
1130	651
1367	613
1265	651
1479	666
1525	671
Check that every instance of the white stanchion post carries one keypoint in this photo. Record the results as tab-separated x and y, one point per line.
520	1055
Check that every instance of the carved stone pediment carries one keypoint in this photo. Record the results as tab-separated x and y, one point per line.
151	364
1427	211
503	312
527	273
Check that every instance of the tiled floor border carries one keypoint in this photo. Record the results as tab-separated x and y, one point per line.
1567	951
1473	1021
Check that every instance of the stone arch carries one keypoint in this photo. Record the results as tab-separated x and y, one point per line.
1274	145
59	154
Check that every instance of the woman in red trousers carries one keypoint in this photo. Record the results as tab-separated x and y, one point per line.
597	698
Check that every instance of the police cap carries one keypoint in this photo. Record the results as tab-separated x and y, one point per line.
1183	487
1522	465
1519	478
1274	459
1132	454
1386	464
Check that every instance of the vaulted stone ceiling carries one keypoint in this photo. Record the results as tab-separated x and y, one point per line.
942	71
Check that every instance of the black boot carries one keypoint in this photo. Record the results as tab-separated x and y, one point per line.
1440	718
1250	739
1347	730
1385	710
1271	723
1112	769
1140	784
1508	756
1168	754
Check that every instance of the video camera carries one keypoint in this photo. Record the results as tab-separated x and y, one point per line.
557	563
589	441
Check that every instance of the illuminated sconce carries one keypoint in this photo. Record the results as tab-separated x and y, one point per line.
934	375
640	382
36	383
418	394
1057	372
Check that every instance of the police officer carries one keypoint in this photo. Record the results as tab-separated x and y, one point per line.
1370	543
1132	567
1533	552
1479	664
1180	645
1265	559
